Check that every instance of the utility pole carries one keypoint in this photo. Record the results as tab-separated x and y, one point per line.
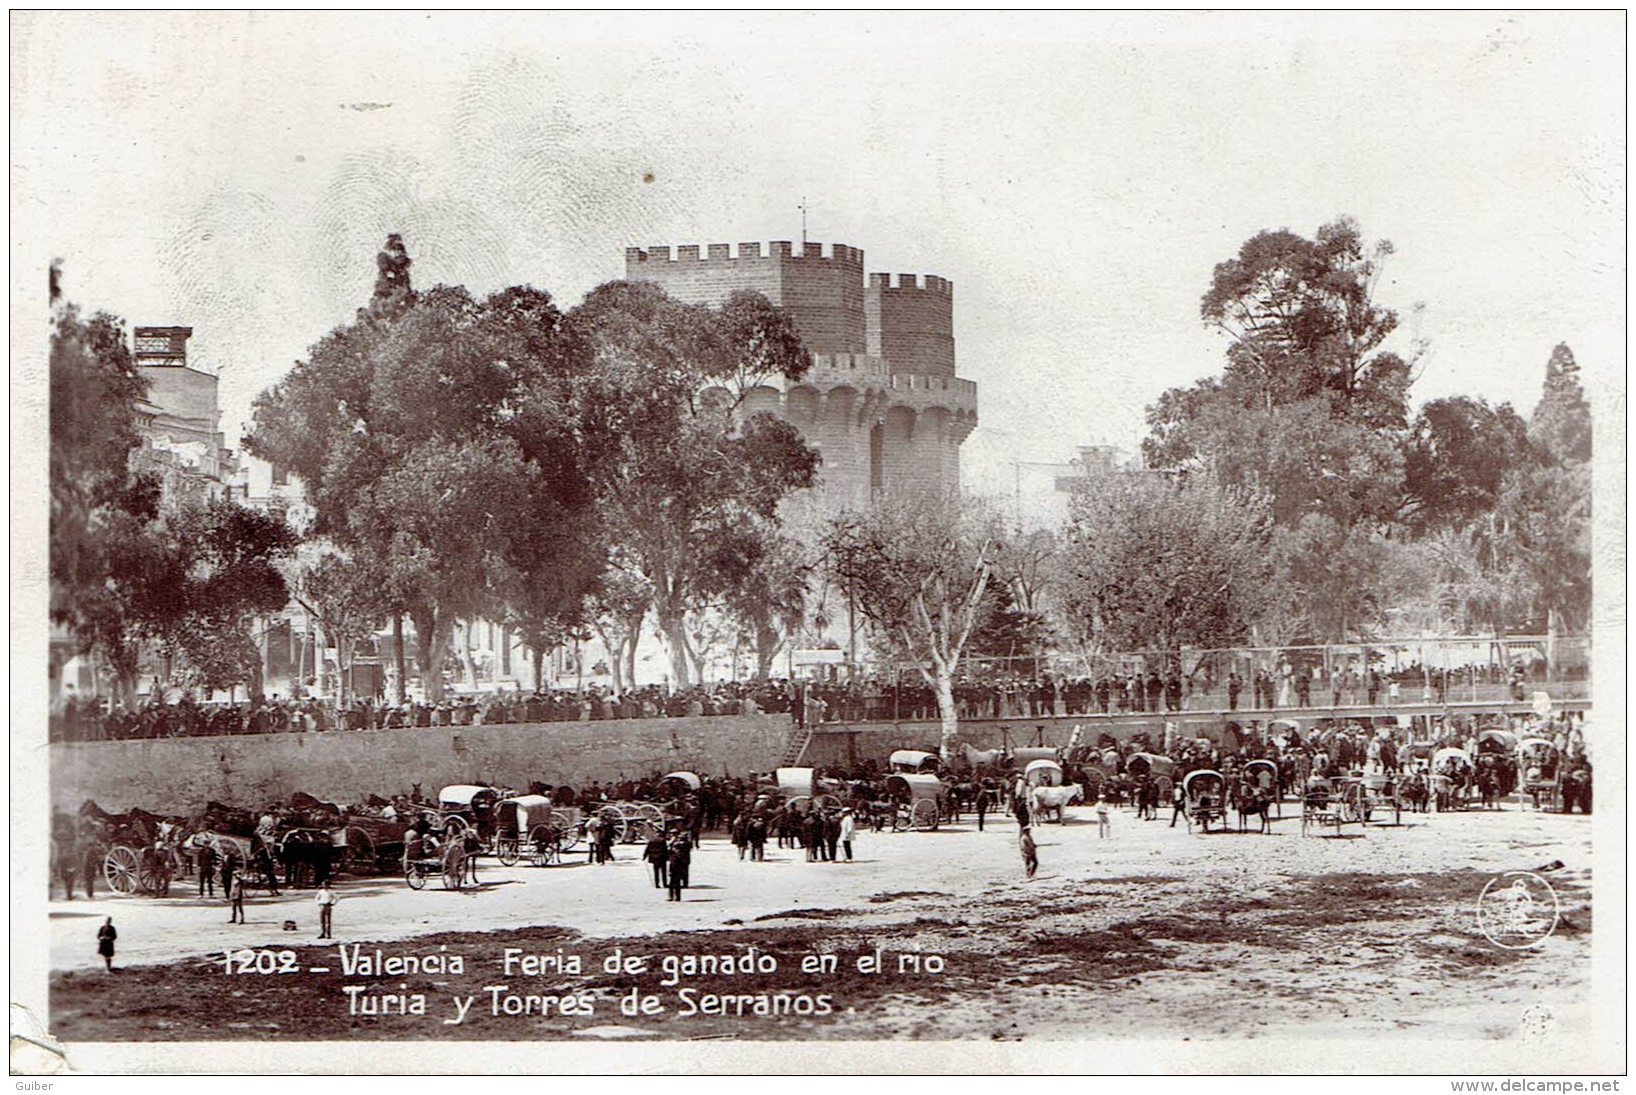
804	210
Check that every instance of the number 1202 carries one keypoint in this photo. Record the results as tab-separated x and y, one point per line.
259	961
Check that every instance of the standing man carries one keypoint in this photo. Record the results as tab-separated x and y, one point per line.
236	892
230	865
1030	854
326	910
756	833
593	838
982	806
205	857
681	858
657	853
1235	685
832	835
1178	803
848	827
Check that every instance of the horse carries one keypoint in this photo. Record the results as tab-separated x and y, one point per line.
1251	801
307	855
1417	793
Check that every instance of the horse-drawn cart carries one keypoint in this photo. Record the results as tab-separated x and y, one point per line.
525	827
447	862
1204	799
1332	804
1541	775
1263	776
1161	770
914	796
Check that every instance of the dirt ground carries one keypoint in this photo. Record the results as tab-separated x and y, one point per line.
1150	932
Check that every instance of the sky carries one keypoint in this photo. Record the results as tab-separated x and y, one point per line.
1076	177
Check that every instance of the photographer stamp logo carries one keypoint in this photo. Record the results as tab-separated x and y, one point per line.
1518	910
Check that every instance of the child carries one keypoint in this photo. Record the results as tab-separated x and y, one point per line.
105	943
1031	858
1101	816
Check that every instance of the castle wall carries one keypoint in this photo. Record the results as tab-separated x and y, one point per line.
182	774
823	294
910	324
882	403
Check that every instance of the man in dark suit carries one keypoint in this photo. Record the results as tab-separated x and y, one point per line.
657	853
681	860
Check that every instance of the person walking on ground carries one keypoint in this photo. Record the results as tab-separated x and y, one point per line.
1178	804
681	858
848	828
814	831
205	859
236	892
1030	854
1101	816
326	911
593	838
982	807
657	853
105	943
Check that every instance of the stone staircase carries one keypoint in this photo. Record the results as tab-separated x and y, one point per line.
795	747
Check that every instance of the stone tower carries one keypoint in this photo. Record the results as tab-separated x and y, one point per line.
882	402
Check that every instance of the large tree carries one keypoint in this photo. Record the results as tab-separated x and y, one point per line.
96	501
1457	457
439	436
1308	411
688	483
918	568
1153	565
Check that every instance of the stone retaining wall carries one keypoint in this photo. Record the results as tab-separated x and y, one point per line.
182	774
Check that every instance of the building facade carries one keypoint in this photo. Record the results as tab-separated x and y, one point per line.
180	420
882	403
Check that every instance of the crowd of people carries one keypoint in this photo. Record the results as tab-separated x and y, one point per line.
863	699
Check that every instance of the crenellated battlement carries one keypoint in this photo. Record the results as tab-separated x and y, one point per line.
912	283
916	383
839	254
863	366
881	403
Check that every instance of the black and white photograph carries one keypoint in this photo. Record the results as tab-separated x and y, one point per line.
825	542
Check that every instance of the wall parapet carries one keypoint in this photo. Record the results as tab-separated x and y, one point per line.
912	283
839	253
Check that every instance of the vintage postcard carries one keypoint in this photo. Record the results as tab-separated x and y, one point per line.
818	542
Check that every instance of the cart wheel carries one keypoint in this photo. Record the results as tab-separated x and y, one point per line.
153	881
415	875
360	851
614	818
544	843
121	868
505	849
568	835
924	817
